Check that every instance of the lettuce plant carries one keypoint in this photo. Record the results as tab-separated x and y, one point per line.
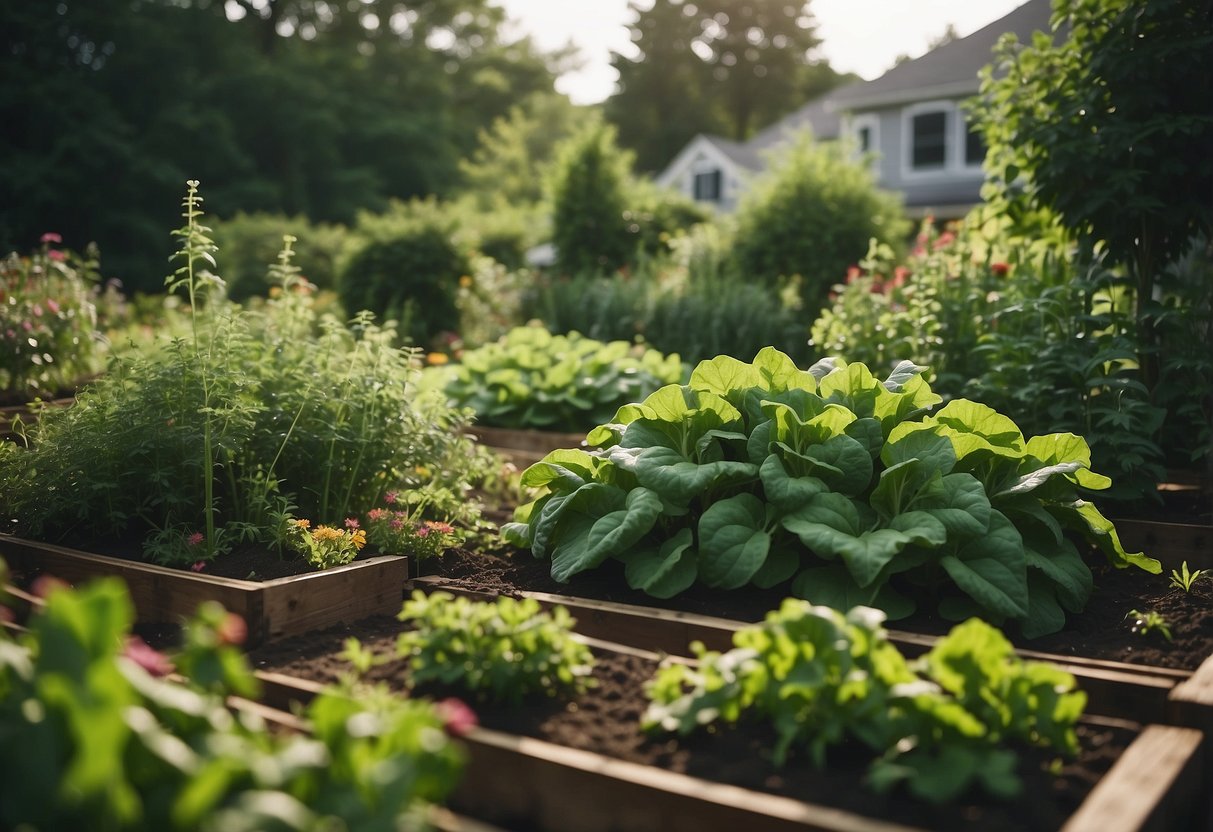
820	677
92	738
502	650
762	473
530	378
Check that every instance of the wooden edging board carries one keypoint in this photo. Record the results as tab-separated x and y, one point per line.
1115	689
272	609
524	447
1155	785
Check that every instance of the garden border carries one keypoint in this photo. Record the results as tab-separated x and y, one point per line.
523	447
272	609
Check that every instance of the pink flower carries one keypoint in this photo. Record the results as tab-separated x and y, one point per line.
351	522
457	718
397	524
51	237
1000	269
56	255
391	497
153	661
375	515
195	539
899	276
440	527
852	273
52	305
37	310
423	531
945	239
44	585
198	566
233	630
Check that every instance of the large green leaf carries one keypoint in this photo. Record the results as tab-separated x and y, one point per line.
959	502
1045	614
568	469
897	487
854	386
845	465
970	417
725	376
1030	481
1057	448
833	586
868	433
663	572
913	441
831	526
597	527
992	570
781	564
785	492
679	479
779	372
1086	518
1062	565
733	541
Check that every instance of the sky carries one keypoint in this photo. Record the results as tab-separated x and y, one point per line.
860	36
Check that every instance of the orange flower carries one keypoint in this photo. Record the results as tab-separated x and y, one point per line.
436	358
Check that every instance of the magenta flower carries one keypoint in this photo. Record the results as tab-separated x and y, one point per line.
56	255
390	498
51	237
195	539
457	718
351	522
152	661
198	566
423	531
397	524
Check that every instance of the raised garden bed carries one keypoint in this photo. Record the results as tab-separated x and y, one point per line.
585	767
272	608
524	447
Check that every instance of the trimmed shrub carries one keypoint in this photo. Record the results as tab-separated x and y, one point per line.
588	203
250	243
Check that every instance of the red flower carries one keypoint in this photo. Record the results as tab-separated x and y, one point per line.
153	661
1000	269
56	255
852	273
51	237
457	718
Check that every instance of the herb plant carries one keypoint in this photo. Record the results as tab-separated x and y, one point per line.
1150	621
248	417
1185	579
762	473
820	677
530	378
502	650
90	738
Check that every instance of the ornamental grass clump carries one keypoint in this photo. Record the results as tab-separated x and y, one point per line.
530	378
503	650
849	487
249	419
941	725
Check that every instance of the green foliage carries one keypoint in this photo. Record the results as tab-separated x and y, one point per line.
812	214
91	739
762	473
1185	579
324	546
324	121
53	308
588	189
411	277
250	243
1148	622
530	378
688	302
820	678
1133	76
503	650
250	416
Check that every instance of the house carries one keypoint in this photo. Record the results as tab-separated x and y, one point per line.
910	119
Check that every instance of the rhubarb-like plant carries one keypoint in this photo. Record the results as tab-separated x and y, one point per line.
763	473
940	724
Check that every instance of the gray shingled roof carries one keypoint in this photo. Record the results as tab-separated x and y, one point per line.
819	115
951	68
739	152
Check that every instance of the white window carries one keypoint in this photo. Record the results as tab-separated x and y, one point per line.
865	133
937	140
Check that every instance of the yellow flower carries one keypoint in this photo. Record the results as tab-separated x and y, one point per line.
323	533
358	536
436	358
465	281
303	524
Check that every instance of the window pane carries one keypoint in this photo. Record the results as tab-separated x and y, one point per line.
929	134
975	147
865	139
707	186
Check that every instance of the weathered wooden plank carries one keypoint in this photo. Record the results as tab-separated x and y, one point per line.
271	609
1154	787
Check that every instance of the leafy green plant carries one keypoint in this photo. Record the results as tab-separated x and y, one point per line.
530	378
1148	622
812	214
502	650
588	184
762	473
53	308
1185	579
820	677
250	240
400	529
324	546
249	416
91	738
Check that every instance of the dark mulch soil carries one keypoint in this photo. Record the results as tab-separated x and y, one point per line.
606	720
1101	631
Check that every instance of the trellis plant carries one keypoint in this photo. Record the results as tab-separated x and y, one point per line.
761	473
820	677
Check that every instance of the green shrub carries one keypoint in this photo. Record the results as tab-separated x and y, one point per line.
411	277
588	203
250	244
93	740
249	416
503	650
532	379
812	215
763	473
822	678
654	216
